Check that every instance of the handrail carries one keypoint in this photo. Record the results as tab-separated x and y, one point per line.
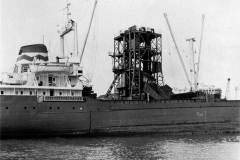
63	98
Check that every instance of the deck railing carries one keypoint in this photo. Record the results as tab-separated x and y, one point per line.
63	98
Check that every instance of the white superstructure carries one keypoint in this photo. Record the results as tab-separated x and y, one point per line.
34	75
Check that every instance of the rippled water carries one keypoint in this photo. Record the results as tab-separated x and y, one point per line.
131	147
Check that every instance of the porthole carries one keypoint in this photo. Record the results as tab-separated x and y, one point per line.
6	107
34	107
50	107
44	93
30	92
60	93
2	92
21	92
58	107
25	107
73	108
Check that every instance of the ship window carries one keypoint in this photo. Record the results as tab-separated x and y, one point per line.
60	93
72	93
2	92
30	92
25	68
40	83
21	92
25	107
44	93
53	81
73	108
6	107
34	107
50	80
132	36
58	107
50	107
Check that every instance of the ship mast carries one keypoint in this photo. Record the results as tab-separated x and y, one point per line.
200	50
196	64
193	71
70	26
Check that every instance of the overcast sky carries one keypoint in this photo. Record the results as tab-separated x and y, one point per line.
25	22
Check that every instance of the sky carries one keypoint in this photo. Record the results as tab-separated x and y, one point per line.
28	21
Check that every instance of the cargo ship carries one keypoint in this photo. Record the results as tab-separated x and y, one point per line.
43	98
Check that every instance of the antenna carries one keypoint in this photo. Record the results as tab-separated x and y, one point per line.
49	46
43	41
227	93
68	13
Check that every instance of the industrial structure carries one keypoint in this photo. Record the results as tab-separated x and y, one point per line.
137	65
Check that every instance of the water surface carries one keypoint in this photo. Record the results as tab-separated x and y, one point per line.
224	147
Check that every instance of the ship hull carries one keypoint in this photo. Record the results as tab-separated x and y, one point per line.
27	116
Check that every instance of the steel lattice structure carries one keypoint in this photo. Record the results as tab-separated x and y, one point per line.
137	62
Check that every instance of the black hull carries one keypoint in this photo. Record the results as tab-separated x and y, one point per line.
27	116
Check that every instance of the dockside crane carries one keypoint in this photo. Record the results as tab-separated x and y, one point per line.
178	51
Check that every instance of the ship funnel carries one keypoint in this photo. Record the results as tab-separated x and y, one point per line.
36	53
